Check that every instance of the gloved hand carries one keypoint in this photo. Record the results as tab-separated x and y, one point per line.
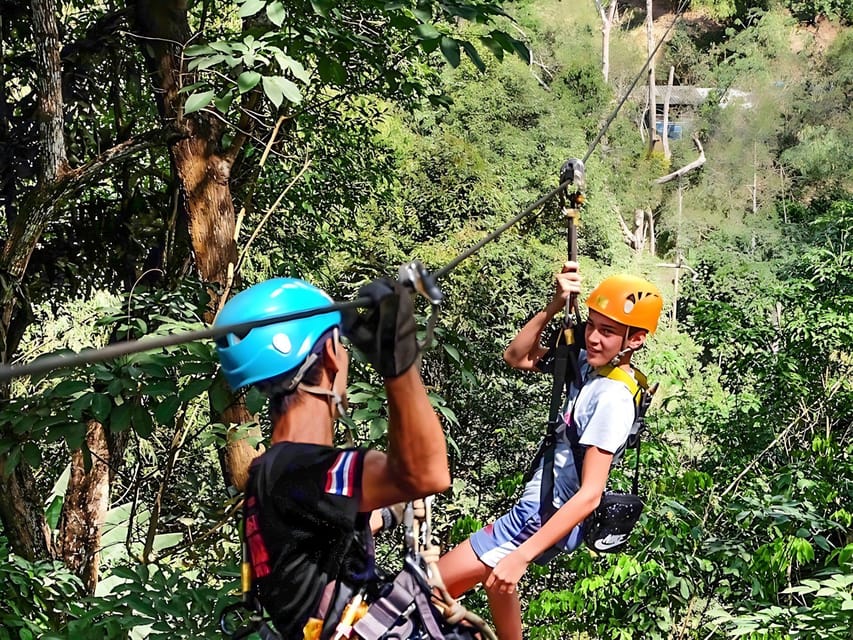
386	333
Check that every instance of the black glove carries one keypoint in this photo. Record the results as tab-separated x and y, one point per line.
386	333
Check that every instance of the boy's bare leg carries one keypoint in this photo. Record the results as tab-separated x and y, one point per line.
506	614
461	569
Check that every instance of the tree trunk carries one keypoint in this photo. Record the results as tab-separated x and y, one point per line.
665	136
49	89
22	512
85	507
21	508
607	21
650	44
203	172
650	225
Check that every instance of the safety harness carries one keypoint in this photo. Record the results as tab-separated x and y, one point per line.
622	509
414	606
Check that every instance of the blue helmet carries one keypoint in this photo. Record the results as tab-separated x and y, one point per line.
273	350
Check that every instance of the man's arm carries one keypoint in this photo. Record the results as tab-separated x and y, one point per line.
416	463
526	349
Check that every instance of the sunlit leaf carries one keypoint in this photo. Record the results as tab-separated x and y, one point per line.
198	101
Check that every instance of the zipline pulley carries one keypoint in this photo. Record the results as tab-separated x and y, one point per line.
415	275
573	181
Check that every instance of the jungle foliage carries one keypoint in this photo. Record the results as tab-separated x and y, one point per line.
407	132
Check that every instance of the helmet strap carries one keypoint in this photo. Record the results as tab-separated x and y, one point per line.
614	362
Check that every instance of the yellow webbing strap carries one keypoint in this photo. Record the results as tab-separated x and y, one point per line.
634	384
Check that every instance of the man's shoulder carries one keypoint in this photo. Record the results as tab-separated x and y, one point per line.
301	453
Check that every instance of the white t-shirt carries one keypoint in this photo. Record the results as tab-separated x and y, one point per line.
603	412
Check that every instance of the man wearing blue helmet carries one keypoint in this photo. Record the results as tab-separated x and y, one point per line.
307	502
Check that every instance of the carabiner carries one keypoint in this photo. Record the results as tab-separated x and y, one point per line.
415	275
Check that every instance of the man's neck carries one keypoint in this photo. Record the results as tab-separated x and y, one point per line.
308	420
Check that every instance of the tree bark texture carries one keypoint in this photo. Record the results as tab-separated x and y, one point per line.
49	89
85	507
203	171
22	512
21	508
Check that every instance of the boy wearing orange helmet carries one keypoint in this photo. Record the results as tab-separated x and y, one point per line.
623	311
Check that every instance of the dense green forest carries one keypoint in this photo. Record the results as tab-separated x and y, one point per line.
156	157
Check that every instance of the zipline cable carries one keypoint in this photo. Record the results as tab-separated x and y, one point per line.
130	347
45	364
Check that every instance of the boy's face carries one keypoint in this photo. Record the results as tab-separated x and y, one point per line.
604	339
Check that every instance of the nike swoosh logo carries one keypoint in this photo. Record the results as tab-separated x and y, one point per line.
610	541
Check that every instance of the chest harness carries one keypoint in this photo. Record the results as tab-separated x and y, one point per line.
641	392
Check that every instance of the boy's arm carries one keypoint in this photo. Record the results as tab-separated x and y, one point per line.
525	350
596	468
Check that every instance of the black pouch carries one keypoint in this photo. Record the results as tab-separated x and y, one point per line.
607	529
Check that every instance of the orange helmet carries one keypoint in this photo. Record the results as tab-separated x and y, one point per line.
629	300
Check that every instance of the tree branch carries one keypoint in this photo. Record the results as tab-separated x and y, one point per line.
698	162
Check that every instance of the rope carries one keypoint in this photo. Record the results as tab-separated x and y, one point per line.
91	356
452	610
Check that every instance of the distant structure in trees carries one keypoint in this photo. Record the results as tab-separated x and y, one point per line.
684	102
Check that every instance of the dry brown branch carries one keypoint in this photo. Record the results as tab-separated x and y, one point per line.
698	162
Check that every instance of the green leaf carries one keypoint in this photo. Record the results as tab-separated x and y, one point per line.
286	63
31	454
276	13
195	388
198	101
161	388
220	397
53	510
332	71
75	435
430	45
493	46
450	49
255	400
423	12
101	405
198	50
378	428
164	413
248	80
474	56
80	404
69	387
120	417
223	103
427	31
522	50
250	8
142	423
200	64
322	7
277	88
125	573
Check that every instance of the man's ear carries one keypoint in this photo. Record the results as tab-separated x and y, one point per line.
637	338
330	356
